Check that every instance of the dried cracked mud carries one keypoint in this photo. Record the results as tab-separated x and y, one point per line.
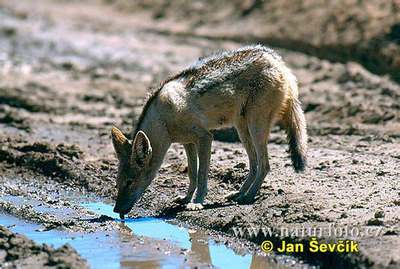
69	71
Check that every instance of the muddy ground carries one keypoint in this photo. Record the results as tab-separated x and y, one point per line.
17	251
69	71
365	31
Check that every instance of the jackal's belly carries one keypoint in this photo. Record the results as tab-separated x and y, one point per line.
219	121
220	112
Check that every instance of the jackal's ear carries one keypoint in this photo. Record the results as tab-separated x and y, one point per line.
141	150
121	143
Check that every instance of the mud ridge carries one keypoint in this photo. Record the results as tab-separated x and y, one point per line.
17	251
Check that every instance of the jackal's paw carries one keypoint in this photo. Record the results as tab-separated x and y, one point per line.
181	199
194	206
233	196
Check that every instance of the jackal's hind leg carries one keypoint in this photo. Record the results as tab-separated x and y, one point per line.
204	151
259	130
245	137
191	154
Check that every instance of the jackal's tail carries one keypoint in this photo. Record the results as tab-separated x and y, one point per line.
294	122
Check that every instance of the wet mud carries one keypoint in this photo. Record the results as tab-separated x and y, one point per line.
17	251
71	219
68	75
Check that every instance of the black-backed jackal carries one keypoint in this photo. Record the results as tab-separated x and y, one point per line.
247	88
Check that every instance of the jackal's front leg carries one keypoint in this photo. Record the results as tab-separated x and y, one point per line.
204	149
191	154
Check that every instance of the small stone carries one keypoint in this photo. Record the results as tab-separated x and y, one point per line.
237	152
183	169
374	222
343	215
240	166
168	181
67	65
379	214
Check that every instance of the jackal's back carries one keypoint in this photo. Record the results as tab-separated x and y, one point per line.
246	65
218	87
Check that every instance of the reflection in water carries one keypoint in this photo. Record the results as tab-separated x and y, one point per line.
200	246
203	249
149	264
206	252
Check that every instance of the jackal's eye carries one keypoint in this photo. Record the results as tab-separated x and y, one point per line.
129	182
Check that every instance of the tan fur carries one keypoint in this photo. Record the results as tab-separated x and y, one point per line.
248	89
118	136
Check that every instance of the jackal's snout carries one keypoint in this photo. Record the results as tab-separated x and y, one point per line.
119	208
126	199
123	206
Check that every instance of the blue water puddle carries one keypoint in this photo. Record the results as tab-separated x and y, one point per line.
218	254
115	250
102	256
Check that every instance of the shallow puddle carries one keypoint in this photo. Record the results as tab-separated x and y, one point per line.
143	246
103	256
206	250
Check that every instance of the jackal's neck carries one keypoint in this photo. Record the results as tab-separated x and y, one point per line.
157	133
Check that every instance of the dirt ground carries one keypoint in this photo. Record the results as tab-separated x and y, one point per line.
17	251
70	71
366	31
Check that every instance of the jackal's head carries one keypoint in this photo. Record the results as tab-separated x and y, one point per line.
133	170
